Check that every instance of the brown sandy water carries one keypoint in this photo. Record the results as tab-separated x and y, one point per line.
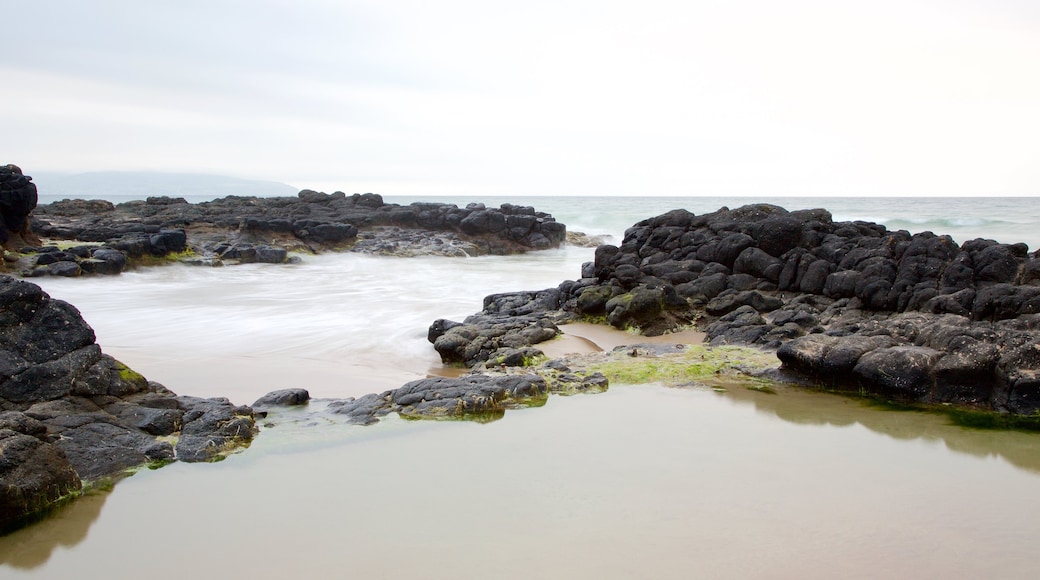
639	482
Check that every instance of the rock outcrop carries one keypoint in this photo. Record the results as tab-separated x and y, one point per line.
501	333
255	229
851	305
479	396
18	198
69	414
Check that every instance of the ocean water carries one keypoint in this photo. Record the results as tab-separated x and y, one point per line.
640	481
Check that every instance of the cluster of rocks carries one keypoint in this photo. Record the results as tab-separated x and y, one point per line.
503	331
108	258
253	229
848	304
482	396
71	415
18	198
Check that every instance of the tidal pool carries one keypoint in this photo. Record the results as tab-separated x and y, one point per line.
638	482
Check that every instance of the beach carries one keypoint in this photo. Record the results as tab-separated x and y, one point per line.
640	480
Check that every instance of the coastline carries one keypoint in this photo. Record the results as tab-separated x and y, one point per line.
751	438
576	337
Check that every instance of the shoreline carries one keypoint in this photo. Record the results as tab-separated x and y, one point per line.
691	269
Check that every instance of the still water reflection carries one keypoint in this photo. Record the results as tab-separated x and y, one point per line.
640	481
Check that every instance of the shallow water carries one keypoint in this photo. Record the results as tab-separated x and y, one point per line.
338	324
638	482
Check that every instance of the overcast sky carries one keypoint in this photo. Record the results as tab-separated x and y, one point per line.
793	97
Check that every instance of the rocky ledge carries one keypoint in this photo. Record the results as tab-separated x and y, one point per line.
479	396
848	306
71	416
254	229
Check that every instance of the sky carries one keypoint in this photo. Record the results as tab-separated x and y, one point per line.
562	97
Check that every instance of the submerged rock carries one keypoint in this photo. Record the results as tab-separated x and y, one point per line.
282	398
477	396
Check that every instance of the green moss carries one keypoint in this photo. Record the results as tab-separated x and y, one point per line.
64	245
573	383
129	375
530	361
600	319
150	260
699	363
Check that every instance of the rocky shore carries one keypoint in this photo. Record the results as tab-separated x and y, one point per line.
236	230
72	416
847	306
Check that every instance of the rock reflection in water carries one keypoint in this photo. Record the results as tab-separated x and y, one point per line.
805	407
640	481
65	527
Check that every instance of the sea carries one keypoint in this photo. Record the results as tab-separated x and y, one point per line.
640	481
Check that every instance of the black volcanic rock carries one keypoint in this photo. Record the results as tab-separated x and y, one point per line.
851	305
259	229
71	414
18	198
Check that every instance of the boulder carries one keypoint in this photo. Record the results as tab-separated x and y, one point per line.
18	198
902	372
283	398
34	476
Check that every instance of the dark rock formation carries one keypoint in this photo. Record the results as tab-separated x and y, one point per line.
282	398
480	396
848	304
17	199
254	229
34	474
507	323
70	414
473	396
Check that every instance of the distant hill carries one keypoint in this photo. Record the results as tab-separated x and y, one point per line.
125	185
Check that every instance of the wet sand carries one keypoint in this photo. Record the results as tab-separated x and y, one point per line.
583	337
586	338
